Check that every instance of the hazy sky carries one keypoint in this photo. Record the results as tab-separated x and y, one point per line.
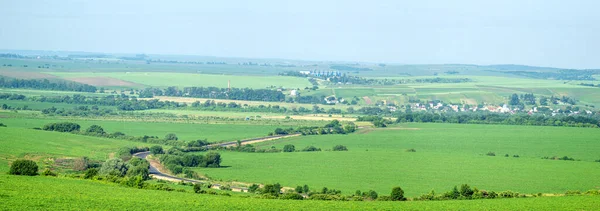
558	33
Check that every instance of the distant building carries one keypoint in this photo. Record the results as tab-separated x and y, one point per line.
294	92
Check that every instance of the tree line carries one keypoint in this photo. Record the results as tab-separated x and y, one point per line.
216	93
45	84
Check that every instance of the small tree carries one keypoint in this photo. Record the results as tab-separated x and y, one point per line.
305	189
397	194
23	167
114	167
298	189
289	148
466	191
171	136
197	188
156	149
372	194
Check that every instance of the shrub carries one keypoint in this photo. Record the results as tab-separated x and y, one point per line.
340	148
515	156
90	173
372	195
253	188
411	150
114	167
466	191
156	150
171	136
197	188
62	127
95	129
311	149
397	194
2	125
48	172
23	167
506	155
212	159
289	148
291	196
491	154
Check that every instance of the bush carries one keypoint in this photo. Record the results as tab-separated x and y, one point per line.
90	173
156	150
95	129
491	154
311	149
171	136
2	125
114	167
23	167
62	127
397	194
515	156
291	196
340	148
289	148
48	172
411	150
197	188
253	188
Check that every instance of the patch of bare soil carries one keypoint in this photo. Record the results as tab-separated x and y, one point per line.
26	75
102	81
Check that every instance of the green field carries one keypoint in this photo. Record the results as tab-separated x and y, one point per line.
447	155
185	131
35	144
72	194
164	79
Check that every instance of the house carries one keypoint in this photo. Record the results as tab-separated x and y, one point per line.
294	92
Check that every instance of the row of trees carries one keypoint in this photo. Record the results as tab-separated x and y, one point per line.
217	93
500	118
45	84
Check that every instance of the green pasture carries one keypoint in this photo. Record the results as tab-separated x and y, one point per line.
165	79
74	194
446	155
185	131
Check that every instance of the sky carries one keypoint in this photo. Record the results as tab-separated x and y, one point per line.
556	33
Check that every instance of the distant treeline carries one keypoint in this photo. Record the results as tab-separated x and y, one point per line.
560	75
590	84
348	79
580	120
349	68
217	93
45	84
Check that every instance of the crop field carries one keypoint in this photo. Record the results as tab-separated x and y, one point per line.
66	193
163	79
185	131
446	155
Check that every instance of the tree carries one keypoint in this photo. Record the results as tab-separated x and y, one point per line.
305	189
372	194
197	188
156	149
212	159
171	136
514	100
23	167
289	148
114	167
95	129
397	194
466	191
298	189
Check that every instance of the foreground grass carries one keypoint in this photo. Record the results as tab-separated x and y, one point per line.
446	155
49	193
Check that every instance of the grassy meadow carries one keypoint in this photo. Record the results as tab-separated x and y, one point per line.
184	131
446	155
73	194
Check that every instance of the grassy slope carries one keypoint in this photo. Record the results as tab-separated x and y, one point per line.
34	144
212	132
49	193
447	155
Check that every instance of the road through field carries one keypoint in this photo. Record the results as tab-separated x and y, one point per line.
156	173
